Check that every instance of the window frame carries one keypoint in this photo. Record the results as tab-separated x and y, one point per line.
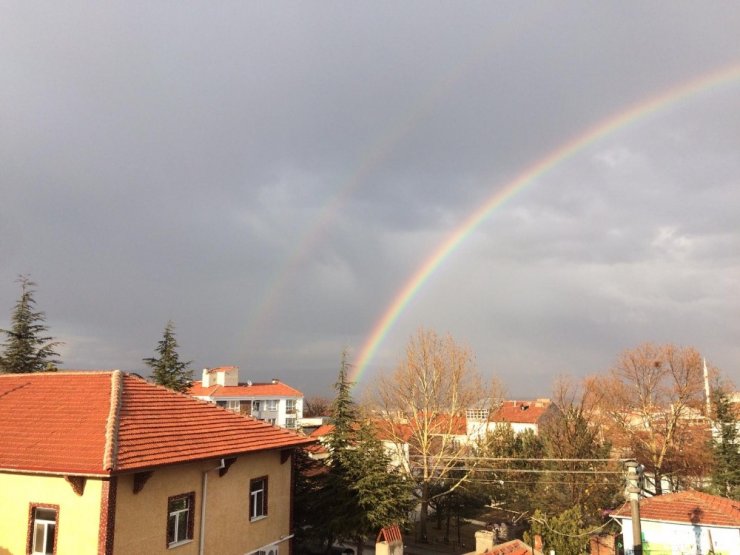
272	405
291	406
233	405
189	515
32	528
255	512
291	422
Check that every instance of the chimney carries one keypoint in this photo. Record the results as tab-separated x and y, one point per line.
538	542
275	380
483	541
206	378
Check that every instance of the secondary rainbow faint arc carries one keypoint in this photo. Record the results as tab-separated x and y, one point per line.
555	157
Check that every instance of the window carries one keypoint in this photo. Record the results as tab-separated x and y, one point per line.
233	405
290	406
290	423
255	406
272	404
180	519
44	531
258	498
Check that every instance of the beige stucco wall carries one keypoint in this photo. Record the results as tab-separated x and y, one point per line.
77	522
141	519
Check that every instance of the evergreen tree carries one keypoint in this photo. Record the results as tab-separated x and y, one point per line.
362	493
309	513
563	533
512	490
27	349
167	368
725	448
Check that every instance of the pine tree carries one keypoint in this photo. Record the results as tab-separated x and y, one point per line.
363	493
167	368
725	448
27	349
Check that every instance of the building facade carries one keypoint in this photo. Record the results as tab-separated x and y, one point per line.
115	465
274	402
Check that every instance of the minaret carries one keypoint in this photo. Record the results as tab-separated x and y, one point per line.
706	390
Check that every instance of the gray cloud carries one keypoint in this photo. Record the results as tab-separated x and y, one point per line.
269	176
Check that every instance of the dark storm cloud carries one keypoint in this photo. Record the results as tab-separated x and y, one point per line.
163	161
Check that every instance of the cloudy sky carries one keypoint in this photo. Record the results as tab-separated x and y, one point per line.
269	175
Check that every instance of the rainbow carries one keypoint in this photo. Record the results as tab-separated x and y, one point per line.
372	158
609	125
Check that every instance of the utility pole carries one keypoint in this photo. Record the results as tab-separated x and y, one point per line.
633	489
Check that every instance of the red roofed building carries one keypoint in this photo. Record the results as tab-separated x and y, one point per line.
684	522
105	462
274	402
484	545
520	415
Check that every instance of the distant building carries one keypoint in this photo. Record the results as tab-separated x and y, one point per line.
107	463
274	402
520	415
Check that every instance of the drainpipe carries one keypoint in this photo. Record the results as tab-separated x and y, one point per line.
204	499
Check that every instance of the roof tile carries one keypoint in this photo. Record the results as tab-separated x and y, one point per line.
76	423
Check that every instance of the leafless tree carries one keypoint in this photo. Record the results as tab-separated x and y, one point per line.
316	406
653	399
423	405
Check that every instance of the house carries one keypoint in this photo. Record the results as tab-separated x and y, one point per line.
683	523
105	462
520	415
484	545
273	402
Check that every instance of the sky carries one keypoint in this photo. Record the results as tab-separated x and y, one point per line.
271	175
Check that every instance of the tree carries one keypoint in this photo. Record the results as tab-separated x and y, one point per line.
586	479
563	533
27	348
423	404
167	368
362	492
316	406
653	398
310	477
512	491
725	448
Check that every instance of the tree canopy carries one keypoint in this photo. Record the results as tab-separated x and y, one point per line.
362	491
424	404
167	368
27	347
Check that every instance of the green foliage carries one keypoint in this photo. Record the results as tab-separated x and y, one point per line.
27	349
167	368
564	533
310	482
570	435
361	492
514	491
725	448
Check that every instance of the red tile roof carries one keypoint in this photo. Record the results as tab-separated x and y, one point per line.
99	423
261	390
687	507
322	431
390	534
521	412
513	547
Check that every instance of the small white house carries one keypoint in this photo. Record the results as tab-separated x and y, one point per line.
684	523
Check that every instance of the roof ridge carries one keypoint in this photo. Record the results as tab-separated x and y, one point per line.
110	456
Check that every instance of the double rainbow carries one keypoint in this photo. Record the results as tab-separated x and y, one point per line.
609	125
